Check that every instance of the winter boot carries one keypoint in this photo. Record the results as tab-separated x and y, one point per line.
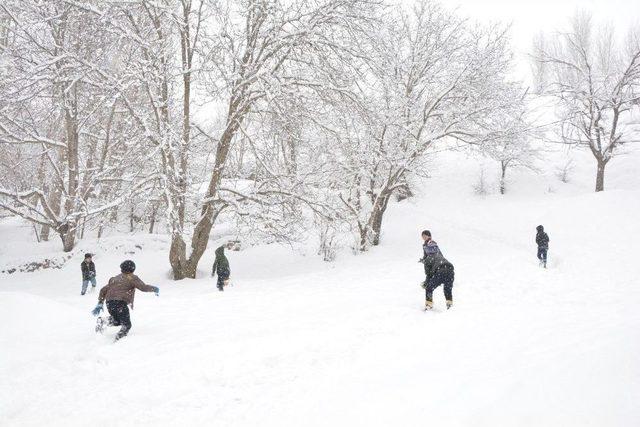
428	305
121	333
449	304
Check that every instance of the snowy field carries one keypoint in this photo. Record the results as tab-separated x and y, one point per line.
299	342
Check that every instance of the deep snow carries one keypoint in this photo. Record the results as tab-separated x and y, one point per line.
297	341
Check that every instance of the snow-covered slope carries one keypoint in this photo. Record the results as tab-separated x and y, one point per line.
297	341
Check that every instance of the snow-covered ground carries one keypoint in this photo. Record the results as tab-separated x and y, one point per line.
299	342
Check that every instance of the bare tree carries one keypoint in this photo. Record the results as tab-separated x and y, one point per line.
163	40
509	138
250	58
596	81
429	77
54	104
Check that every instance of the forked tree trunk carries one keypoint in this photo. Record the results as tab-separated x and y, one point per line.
370	233
182	266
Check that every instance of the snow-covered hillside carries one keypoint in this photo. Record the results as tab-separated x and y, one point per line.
299	342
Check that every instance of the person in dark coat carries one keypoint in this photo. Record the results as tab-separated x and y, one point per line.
119	293
88	269
221	267
542	240
438	271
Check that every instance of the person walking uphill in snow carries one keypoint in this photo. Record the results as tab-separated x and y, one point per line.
542	240
88	269
438	271
120	292
221	267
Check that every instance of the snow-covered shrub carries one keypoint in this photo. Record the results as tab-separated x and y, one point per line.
563	172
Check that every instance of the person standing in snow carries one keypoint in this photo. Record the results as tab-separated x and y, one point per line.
119	293
438	271
542	240
88	269
221	267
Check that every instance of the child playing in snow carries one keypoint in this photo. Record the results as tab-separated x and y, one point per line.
221	266
438	271
118	293
542	240
88	273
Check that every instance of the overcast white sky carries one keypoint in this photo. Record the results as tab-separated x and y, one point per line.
528	17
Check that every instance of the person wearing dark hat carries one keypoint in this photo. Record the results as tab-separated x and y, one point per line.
119	293
88	269
542	240
438	271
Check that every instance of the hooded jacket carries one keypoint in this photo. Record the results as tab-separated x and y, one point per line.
221	264
542	239
433	259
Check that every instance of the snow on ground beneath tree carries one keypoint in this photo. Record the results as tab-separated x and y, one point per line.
296	341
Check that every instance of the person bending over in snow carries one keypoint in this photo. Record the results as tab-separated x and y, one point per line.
438	271
88	269
542	240
118	293
221	267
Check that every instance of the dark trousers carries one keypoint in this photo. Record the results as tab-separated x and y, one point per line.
119	317
222	276
443	276
542	254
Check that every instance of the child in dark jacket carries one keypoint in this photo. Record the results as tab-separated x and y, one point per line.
542	240
221	267
88	269
438	271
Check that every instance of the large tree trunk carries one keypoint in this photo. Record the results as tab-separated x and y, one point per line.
69	101
376	218
600	175
177	257
182	266
370	233
67	232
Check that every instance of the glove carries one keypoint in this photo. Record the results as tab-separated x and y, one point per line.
156	290
421	260
97	310
92	274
